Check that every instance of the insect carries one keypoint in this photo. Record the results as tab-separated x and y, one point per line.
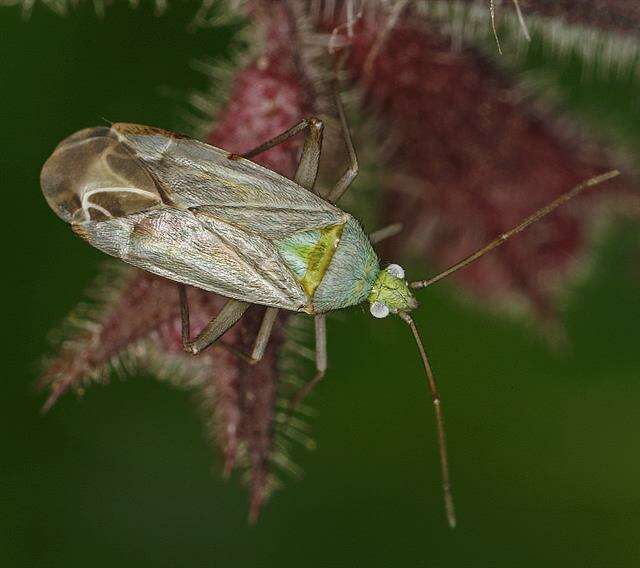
204	217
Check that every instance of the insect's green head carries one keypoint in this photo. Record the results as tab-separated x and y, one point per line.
391	293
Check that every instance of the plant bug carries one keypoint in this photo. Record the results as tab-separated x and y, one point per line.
201	216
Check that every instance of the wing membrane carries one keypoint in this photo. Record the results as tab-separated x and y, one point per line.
218	257
194	175
92	176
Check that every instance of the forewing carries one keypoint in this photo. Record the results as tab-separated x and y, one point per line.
93	176
193	175
218	257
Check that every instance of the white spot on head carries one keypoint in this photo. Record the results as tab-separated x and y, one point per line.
379	310
396	270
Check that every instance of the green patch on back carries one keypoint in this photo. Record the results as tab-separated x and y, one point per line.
308	254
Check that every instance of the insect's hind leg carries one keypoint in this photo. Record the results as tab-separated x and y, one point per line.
321	362
231	312
307	170
352	169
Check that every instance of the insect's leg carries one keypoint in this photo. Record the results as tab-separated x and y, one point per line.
352	169
228	316
309	160
385	233
321	361
307	171
264	334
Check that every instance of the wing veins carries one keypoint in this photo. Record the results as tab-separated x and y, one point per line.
248	260
258	206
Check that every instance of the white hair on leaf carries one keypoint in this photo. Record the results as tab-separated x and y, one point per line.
379	310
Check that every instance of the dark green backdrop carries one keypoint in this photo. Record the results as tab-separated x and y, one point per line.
544	447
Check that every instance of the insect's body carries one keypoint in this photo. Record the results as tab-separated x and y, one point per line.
197	215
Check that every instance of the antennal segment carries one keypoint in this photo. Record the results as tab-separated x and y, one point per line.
539	214
437	406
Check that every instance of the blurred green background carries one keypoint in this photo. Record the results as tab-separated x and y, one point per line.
544	446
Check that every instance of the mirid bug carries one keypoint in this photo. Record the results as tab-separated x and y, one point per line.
204	217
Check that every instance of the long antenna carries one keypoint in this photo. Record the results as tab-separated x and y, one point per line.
437	406
539	214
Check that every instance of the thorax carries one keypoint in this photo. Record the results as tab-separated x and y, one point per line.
336	265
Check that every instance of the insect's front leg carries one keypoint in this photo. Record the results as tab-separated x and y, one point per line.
228	316
264	333
385	233
321	361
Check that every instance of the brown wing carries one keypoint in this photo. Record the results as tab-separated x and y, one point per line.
93	176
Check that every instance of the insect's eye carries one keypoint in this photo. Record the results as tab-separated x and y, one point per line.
396	270
379	310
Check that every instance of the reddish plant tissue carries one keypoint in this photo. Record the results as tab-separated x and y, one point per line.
268	95
468	160
618	15
471	162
